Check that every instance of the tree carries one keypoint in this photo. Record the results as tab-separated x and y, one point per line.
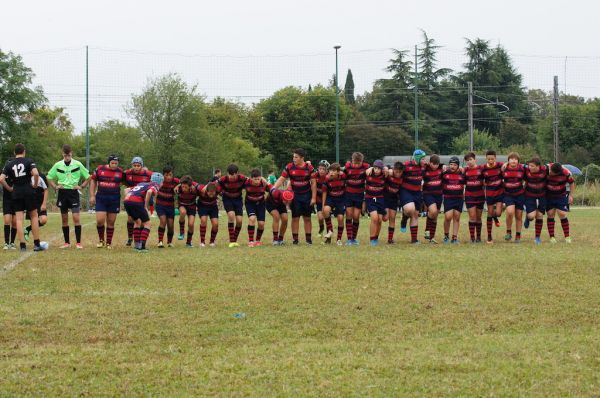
482	141
349	89
17	98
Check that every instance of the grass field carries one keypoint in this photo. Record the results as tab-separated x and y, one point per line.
502	320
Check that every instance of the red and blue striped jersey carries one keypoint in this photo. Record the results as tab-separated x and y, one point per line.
392	185
513	180
412	179
166	193
432	180
232	187
474	192
137	194
320	178
188	198
356	176
299	176
453	184
535	183
109	180
203	199
132	178
374	186
492	178
556	185
256	193
335	187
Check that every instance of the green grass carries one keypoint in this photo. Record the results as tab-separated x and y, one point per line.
505	320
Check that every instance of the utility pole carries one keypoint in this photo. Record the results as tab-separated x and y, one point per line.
416	101
87	117
470	86
555	122
337	107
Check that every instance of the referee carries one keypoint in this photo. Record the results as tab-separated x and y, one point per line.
65	177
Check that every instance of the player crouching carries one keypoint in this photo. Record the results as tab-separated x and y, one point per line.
136	203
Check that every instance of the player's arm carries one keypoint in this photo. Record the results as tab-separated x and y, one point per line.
279	182
44	199
324	197
93	186
148	198
36	176
52	177
313	188
571	190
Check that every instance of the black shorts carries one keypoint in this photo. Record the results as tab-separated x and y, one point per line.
233	205
211	212
280	207
40	213
137	211
256	209
301	206
68	199
7	203
24	199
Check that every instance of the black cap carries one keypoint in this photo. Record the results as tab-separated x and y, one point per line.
454	159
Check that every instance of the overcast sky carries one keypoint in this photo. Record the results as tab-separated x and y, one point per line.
539	35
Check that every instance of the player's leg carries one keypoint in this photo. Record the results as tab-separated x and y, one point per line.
349	223
564	223
472	210
100	227
182	217
214	230
340	226
130	227
283	226
328	223
321	218
251	229
260	218
307	227
111	219
64	217
203	228
275	225
20	219
35	227
373	235
518	223
431	222
239	217
510	215
191	220
447	220
478	222
455	225
162	226
356	221
144	233
8	221
259	231
170	228
77	223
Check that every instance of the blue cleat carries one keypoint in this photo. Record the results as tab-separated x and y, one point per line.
375	242
538	241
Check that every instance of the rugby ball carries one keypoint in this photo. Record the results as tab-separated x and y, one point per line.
44	245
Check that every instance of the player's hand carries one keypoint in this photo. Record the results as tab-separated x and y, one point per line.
313	201
92	200
77	187
570	199
59	187
43	207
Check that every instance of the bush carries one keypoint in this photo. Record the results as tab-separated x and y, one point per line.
587	195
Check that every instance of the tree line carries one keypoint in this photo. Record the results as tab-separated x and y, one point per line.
176	125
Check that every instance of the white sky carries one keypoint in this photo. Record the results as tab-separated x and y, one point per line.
538	34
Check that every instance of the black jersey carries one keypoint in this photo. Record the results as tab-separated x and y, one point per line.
19	171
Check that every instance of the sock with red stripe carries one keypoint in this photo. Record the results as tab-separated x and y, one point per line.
275	236
161	234
130	230
489	225
251	233
564	222
539	223
190	234
414	231
100	229
136	233
295	237
321	226
109	235
355	225
432	228
340	232
478	228
144	233
231	232
213	234
518	236
238	229
472	230
550	224
349	229
308	237
170	235
329	225
181	227
259	233
391	233
202	233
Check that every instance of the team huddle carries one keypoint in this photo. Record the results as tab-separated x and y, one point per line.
421	186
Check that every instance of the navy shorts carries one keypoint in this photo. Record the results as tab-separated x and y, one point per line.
560	203
353	200
208	211
233	204
319	206
301	205
108	203
256	209
137	211
478	205
533	204
336	204
376	204
453	204
168	211
189	210
415	197
492	200
430	199
281	207
391	202
517	201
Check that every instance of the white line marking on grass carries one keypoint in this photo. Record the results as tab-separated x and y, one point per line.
13	264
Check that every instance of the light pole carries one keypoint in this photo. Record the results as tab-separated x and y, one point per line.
337	107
